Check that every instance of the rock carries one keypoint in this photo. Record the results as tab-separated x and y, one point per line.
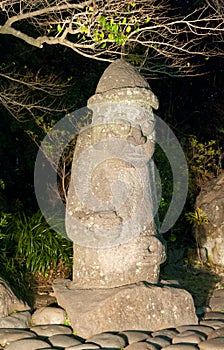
217	333
182	346
212	344
189	336
214	315
195	327
108	340
64	340
216	302
16	320
28	344
49	330
134	307
83	346
141	346
167	333
210	235
48	315
134	336
213	323
9	302
159	340
8	335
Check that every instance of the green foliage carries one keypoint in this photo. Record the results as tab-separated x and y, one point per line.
4	218
204	160
27	242
109	28
113	28
2	184
198	217
10	268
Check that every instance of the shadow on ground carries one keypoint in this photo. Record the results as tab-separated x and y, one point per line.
197	278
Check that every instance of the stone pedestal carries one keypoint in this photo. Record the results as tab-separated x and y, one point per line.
137	306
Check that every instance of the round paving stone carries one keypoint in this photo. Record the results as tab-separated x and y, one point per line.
213	315
134	336
212	344
83	346
217	333
182	346
64	341
159	340
195	327
108	340
8	335
193	337
169	333
28	344
49	330
141	346
213	323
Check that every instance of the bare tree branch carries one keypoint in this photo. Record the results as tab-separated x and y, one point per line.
105	30
29	94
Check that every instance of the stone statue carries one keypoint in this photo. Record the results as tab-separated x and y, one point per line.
110	217
110	201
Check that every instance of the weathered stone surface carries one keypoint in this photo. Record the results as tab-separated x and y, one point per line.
108	340
159	341
119	80
134	307
105	267
141	346
216	301
64	341
212	344
210	236
110	217
49	330
167	333
217	333
189	336
182	346
9	302
196	327
28	344
48	315
8	335
134	336
214	315
111	198
16	320
83	346
213	323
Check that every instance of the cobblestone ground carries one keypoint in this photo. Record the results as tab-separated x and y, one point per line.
46	329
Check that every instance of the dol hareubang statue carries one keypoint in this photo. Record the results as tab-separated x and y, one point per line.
111	204
110	217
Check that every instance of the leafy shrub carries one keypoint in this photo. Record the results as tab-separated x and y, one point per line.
35	245
29	245
204	161
198	217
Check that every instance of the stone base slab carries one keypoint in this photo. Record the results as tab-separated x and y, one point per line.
139	306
